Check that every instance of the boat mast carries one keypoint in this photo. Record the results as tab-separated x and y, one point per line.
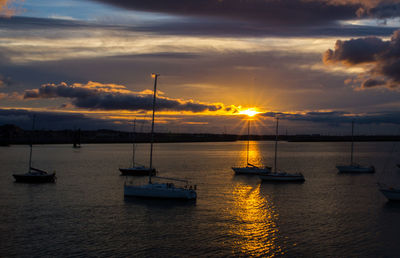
248	140
276	142
30	152
352	142
133	143
155	76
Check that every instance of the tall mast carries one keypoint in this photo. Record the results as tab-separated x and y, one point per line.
248	140
133	143
152	124
276	142
30	153
352	142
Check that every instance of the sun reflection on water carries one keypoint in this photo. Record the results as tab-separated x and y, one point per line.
255	230
255	156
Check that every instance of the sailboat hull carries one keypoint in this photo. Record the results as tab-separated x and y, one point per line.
391	194
35	178
160	191
355	169
137	171
251	170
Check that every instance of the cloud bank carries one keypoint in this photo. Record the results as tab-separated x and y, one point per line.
98	96
380	58
279	12
340	117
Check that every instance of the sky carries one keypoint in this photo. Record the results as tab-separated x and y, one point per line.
315	64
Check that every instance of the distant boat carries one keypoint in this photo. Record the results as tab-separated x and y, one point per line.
136	170
159	190
391	193
354	168
34	175
77	139
250	169
280	176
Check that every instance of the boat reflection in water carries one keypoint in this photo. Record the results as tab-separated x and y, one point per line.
254	226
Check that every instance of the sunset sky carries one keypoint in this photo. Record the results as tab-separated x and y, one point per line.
318	64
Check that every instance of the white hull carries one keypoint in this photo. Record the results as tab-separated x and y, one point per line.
355	169
164	191
391	194
283	177
251	170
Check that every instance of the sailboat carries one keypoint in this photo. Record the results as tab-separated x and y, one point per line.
136	170
159	190
77	139
34	175
280	176
353	167
250	169
391	193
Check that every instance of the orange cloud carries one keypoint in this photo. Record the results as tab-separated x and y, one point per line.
6	8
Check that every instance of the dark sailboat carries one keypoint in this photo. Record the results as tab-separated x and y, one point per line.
34	175
136	170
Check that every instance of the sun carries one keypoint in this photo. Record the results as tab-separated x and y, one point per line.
250	112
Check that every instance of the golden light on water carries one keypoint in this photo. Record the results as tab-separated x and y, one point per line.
255	229
255	156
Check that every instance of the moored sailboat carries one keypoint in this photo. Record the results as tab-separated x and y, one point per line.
136	170
159	190
250	169
392	194
353	167
34	175
277	175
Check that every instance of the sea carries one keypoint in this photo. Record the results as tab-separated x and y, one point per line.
85	214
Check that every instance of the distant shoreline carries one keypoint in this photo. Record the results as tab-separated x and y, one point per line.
10	135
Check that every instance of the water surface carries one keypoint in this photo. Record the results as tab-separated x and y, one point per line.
84	213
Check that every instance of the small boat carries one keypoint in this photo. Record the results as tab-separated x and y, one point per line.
392	194
34	175
354	168
159	190
136	170
77	139
250	169
280	176
162	190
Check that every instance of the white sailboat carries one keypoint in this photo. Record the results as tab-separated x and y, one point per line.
353	167
277	175
250	169
391	193
34	175
159	190
136	170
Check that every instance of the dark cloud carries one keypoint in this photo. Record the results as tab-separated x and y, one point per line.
384	56
292	12
5	81
356	51
278	12
339	117
53	120
55	28
114	97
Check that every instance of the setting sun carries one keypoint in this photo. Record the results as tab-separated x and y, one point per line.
249	112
